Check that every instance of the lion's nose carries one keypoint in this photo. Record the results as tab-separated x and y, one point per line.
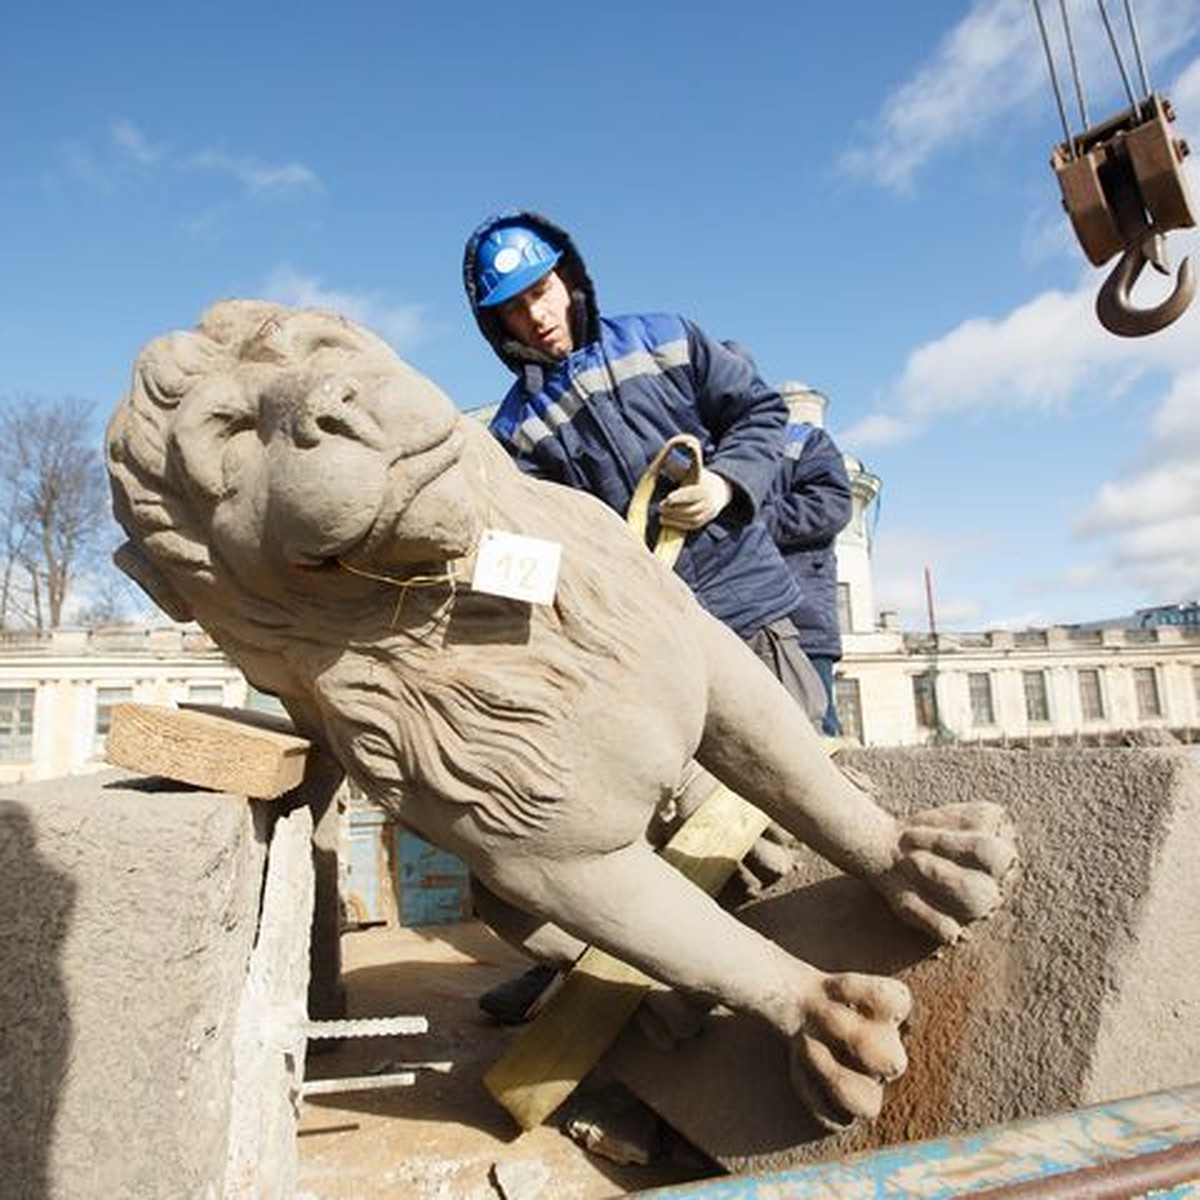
326	408
331	409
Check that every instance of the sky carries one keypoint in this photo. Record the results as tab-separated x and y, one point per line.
860	194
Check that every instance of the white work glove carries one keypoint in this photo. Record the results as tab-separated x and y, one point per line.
695	504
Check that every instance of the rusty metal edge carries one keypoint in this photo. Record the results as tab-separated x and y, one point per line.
1153	1171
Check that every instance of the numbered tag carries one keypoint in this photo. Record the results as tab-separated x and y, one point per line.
519	567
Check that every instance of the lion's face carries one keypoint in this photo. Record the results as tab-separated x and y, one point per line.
321	445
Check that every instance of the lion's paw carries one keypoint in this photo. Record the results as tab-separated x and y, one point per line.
954	865
849	1047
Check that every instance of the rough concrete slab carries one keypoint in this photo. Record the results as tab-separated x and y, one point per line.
1084	990
130	913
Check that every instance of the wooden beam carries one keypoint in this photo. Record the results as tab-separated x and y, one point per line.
224	750
581	1020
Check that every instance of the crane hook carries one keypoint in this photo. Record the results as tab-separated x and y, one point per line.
1114	306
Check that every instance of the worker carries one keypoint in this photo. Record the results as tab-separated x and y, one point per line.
809	504
596	398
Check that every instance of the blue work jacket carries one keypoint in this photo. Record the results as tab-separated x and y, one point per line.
808	505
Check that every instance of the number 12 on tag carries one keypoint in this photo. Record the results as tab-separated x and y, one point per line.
519	567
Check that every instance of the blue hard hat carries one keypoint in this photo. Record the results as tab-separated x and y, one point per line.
510	258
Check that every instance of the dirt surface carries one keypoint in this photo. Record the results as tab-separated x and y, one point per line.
443	1138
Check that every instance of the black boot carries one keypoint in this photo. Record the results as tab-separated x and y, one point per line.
518	1000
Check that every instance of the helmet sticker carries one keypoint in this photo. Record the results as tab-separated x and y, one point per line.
507	259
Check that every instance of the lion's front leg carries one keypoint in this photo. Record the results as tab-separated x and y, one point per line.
939	871
842	1031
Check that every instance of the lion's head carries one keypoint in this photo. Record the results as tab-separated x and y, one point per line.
271	439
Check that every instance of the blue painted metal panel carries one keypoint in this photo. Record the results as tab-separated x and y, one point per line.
433	886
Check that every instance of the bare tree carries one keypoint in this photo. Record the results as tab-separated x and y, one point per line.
54	505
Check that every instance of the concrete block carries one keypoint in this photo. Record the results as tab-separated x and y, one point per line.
1084	990
131	908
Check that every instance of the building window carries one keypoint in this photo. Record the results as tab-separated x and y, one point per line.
1145	683
1037	702
925	700
845	624
979	685
16	724
1091	699
206	693
106	699
848	702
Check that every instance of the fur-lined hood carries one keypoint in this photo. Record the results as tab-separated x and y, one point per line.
585	314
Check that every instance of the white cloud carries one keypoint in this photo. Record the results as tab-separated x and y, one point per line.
127	155
878	430
1141	527
1185	95
1079	576
1040	357
1137	536
130	140
898	563
991	64
403	326
983	65
1177	421
82	164
1046	234
1052	348
1163	492
1145	523
122	158
1159	558
1150	516
1033	357
256	177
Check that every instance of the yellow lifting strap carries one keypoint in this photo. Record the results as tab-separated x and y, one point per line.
679	461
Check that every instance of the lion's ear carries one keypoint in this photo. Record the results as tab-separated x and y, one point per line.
130	559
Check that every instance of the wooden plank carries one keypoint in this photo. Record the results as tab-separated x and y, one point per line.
581	1020
221	750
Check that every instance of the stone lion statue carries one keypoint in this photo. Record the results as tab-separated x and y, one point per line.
318	507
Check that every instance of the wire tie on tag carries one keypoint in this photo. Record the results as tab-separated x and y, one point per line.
404	584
